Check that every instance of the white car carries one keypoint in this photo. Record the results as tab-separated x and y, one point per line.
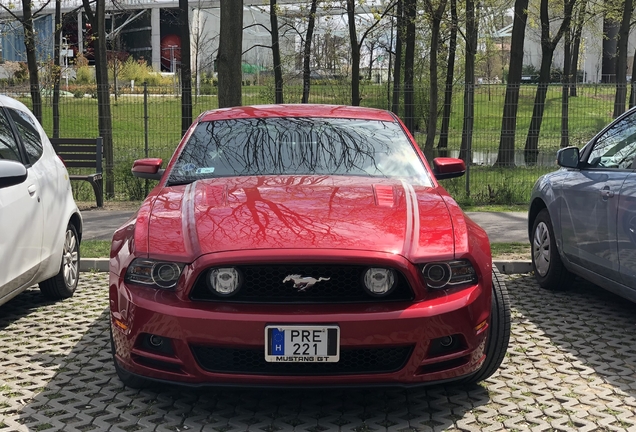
40	224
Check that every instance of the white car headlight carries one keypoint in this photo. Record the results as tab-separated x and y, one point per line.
160	274
379	281
224	281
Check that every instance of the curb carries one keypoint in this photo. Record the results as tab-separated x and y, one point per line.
94	265
505	267
513	266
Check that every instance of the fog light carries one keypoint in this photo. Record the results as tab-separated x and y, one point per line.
379	281
224	281
446	341
155	341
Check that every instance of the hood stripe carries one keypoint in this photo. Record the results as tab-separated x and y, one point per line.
188	221
411	237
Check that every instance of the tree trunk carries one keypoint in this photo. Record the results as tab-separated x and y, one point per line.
565	90
610	39
548	45
311	22
32	61
506	153
621	60
442	146
278	68
371	60
397	69
465	150
431	126
576	50
531	150
56	69
229	53
409	61
98	21
186	67
355	53
632	94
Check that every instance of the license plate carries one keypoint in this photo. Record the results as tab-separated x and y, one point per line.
312	344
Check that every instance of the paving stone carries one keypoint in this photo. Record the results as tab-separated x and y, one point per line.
571	366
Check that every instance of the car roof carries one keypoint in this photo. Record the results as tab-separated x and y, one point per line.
297	110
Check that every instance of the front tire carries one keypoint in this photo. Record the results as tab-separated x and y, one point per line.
546	261
498	331
64	283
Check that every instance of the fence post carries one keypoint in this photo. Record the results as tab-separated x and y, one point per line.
146	130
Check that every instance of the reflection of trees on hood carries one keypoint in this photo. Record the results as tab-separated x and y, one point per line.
264	219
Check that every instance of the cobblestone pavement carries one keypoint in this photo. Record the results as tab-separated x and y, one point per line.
570	366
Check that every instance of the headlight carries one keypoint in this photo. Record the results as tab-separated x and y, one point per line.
442	275
224	281
379	281
161	274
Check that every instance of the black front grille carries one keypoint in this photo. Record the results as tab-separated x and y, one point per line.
252	361
339	284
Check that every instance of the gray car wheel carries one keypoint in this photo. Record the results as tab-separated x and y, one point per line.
63	284
546	261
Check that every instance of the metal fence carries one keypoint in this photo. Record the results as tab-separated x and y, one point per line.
149	125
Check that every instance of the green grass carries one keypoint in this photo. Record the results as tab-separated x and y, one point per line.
588	113
499	249
101	248
95	248
496	208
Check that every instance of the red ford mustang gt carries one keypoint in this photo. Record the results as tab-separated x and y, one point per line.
303	245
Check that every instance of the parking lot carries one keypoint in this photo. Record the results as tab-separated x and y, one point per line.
571	365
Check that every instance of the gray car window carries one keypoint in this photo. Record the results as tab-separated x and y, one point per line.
29	134
8	145
616	148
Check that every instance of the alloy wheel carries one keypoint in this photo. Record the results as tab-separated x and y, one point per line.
70	259
541	248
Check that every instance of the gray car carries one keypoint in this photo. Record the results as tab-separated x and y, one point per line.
582	218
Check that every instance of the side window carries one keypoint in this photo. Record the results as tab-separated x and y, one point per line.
616	148
8	145
29	134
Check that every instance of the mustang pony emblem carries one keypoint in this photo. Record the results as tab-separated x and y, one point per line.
303	282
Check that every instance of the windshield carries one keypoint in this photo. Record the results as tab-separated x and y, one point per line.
298	146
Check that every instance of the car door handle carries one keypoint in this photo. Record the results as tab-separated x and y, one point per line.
32	189
607	193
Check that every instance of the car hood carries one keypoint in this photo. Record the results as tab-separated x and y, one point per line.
299	212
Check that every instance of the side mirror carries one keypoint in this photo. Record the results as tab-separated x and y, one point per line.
11	173
568	157
445	168
148	168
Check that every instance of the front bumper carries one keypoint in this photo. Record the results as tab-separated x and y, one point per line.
199	332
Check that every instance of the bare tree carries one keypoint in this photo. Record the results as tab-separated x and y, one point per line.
410	7
186	67
621	59
450	74
30	46
506	154
57	68
397	70
548	45
465	150
356	45
435	13
278	68
311	22
105	122
229	54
